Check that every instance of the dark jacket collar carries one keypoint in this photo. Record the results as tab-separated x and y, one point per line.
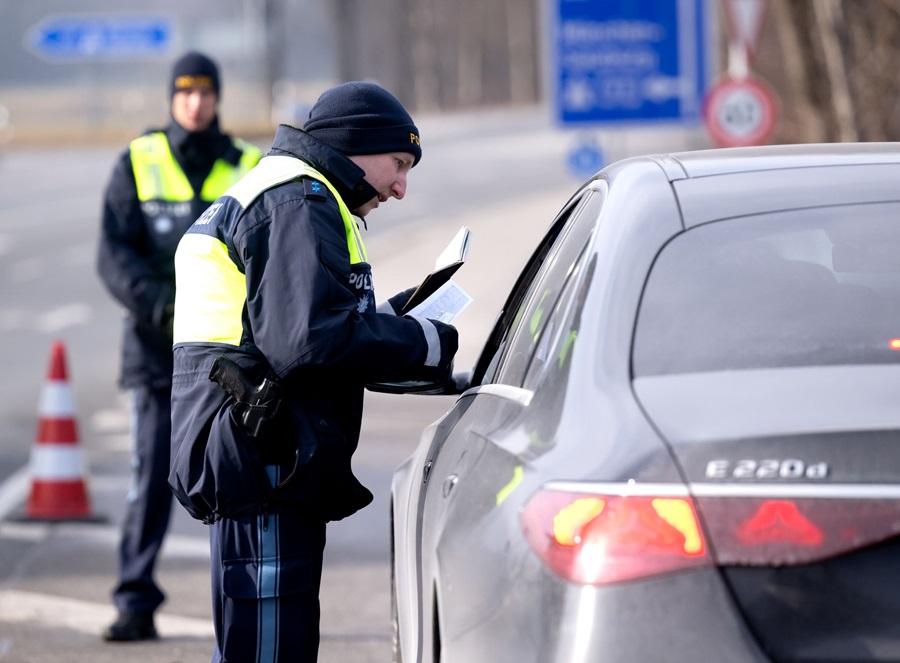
197	150
346	176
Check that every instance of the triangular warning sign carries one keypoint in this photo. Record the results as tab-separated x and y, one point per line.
745	19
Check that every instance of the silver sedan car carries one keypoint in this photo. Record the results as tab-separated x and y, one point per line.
681	441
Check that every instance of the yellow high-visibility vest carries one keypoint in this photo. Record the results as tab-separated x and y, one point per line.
210	290
158	176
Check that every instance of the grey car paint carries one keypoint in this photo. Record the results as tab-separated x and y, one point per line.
721	405
463	569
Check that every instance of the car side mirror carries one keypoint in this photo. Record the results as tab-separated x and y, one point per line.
457	384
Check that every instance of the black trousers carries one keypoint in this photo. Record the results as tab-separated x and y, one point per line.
266	572
149	503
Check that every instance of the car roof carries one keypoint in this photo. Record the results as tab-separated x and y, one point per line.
706	163
726	183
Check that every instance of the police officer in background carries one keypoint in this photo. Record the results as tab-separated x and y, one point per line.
276	334
160	185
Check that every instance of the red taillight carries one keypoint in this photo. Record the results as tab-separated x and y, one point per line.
779	521
607	538
607	533
793	529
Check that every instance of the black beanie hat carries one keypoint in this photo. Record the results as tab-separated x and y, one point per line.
194	69
363	118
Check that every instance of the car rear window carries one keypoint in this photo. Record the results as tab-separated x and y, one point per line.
801	288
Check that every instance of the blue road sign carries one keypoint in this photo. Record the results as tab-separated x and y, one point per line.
630	61
585	159
116	36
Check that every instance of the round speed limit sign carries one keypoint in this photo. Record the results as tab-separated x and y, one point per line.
740	112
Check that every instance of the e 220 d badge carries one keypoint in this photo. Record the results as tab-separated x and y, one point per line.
770	468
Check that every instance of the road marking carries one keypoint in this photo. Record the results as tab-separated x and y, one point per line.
13	490
48	322
19	606
25	531
110	483
175	545
112	420
60	318
121	442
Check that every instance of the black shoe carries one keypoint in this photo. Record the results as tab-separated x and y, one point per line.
130	628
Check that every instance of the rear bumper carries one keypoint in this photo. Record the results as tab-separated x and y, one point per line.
683	617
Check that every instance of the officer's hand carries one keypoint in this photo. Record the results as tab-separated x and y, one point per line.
399	300
449	344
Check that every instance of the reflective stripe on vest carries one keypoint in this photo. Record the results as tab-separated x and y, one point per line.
210	289
157	175
275	170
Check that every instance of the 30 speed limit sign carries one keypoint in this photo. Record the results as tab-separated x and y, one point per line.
740	112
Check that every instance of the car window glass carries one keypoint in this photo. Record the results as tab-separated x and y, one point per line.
548	373
541	299
802	288
486	368
557	339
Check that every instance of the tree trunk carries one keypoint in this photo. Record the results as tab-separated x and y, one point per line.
809	127
424	55
827	14
523	49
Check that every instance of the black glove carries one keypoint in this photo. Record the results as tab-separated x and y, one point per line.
440	367
163	314
399	300
165	318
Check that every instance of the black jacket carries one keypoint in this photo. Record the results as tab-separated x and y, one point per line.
309	319
135	258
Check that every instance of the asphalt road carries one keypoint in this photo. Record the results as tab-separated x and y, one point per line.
500	173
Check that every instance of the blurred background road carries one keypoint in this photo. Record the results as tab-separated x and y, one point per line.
517	102
497	172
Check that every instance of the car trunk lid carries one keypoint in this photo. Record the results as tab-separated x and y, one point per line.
794	476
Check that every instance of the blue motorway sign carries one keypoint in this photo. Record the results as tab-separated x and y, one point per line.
113	36
630	60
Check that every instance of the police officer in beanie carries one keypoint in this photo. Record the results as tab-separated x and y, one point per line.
160	185
276	334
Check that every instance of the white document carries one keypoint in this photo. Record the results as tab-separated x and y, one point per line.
455	251
444	304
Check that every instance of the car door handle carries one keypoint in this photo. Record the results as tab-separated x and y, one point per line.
426	470
449	485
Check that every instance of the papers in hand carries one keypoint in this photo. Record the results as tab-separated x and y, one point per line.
444	304
449	260
437	298
455	252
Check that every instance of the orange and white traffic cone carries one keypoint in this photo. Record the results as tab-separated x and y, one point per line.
58	486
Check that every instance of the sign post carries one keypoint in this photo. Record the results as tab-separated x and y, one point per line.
741	109
745	20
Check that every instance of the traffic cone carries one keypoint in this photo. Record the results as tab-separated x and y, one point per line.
58	486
